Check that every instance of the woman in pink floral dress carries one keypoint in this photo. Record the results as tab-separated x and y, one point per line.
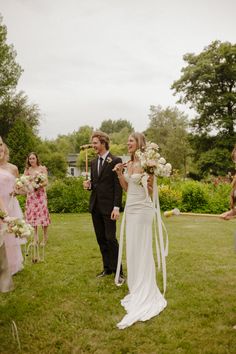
36	212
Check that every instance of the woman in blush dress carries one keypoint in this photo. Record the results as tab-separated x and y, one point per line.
36	211
144	300
6	283
8	175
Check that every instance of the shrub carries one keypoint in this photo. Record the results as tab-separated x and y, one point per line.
68	196
169	198
195	197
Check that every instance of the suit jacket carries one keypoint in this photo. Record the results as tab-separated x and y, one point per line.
105	188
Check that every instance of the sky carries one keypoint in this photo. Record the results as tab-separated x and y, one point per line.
86	61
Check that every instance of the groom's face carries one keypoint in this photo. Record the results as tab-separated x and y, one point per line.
98	146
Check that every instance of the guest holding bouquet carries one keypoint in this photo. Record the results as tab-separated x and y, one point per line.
6	283
36	212
8	175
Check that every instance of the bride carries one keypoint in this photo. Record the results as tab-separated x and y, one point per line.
144	300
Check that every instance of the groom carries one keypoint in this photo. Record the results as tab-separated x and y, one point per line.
105	202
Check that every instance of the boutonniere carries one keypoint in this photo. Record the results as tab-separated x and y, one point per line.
108	159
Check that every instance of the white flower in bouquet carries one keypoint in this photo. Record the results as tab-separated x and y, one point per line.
18	227
22	183
151	161
39	180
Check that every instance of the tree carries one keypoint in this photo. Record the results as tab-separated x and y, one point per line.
215	162
14	107
21	141
168	128
10	71
115	126
56	164
82	136
208	83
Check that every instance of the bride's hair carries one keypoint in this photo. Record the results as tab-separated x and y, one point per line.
6	150
140	141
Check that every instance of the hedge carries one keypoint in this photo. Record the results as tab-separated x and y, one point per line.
68	196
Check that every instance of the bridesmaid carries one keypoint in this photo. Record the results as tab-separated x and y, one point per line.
6	283
8	174
36	211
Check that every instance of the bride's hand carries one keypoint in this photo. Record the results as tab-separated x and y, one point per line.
119	167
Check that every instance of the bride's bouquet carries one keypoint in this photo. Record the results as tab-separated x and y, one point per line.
151	161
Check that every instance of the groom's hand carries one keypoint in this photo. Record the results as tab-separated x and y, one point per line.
115	214
87	184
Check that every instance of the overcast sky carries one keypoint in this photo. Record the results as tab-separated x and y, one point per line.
86	61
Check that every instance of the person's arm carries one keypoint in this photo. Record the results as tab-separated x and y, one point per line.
87	184
228	214
119	171
150	184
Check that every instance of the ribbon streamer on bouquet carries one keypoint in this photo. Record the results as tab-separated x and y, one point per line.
121	241
162	251
15	334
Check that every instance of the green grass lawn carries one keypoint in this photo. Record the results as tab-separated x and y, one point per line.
60	307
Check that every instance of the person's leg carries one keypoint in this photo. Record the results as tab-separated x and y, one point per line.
99	229
113	246
36	236
45	235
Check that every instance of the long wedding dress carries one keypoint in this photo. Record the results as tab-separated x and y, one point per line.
12	244
144	300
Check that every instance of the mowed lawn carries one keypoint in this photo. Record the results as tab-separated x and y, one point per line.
60	307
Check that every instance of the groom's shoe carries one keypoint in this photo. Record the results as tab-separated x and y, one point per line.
103	273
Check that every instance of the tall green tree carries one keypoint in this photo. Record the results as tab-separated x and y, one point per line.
10	71
169	129
82	136
14	107
21	141
208	83
110	126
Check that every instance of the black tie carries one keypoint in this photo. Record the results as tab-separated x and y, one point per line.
100	165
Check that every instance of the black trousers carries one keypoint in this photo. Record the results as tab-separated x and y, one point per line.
105	230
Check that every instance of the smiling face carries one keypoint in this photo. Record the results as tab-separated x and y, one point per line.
98	146
33	161
132	145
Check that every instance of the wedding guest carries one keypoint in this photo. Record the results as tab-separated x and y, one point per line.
8	175
105	202
144	300
6	283
36	210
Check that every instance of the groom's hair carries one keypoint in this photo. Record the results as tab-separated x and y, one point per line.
102	137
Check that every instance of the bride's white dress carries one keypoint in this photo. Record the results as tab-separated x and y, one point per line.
144	300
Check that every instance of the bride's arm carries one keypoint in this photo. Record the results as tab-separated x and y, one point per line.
150	184
119	171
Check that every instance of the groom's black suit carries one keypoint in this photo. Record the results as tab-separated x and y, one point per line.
106	193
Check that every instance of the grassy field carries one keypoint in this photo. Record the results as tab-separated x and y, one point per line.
60	307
